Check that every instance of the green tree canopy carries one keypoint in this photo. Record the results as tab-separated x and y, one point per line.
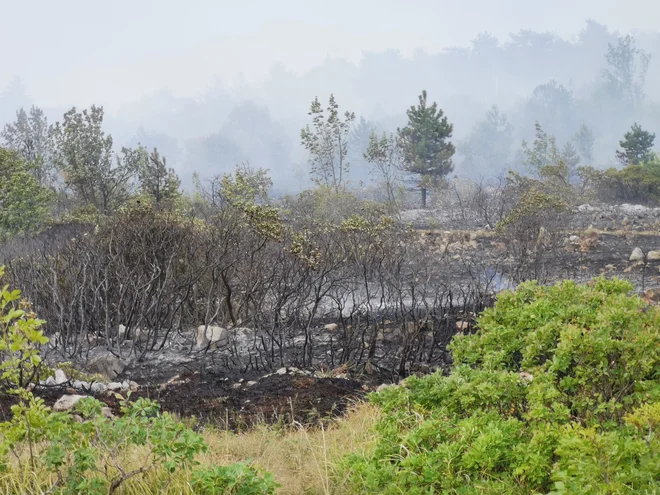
637	146
425	143
156	180
24	203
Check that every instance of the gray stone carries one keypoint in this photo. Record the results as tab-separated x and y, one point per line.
251	383
574	240
125	385
331	327
653	256
60	377
637	255
108	365
67	402
50	381
211	335
99	388
114	386
107	412
281	371
133	386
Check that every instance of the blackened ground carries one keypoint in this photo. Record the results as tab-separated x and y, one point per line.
273	399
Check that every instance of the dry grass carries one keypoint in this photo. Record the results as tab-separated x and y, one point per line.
302	460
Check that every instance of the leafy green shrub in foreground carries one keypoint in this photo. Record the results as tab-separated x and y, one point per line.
558	392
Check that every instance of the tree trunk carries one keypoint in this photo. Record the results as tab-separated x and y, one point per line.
423	197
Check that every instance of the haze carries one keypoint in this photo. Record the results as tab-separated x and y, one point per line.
172	73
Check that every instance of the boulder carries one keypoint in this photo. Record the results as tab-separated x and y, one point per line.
99	388
574	240
331	327
211	335
637	255
114	386
50	381
281	371
462	325
653	256
108	365
67	402
60	377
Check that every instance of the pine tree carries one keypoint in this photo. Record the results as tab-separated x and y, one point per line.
156	180
424	142
637	145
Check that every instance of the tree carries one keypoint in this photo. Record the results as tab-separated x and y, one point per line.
637	145
24	203
488	148
424	143
547	161
584	140
360	139
156	180
326	141
553	105
385	156
29	136
627	70
84	155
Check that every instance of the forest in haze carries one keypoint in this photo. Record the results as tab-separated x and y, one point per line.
586	92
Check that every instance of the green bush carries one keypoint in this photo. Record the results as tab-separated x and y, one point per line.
558	392
237	479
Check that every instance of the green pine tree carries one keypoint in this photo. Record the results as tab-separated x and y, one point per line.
637	146
424	142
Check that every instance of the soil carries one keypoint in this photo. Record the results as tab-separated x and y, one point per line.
285	399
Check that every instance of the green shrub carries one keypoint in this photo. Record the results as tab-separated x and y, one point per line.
558	392
237	479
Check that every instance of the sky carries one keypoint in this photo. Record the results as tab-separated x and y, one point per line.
87	51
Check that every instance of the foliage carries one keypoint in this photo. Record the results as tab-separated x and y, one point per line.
637	146
24	203
327	144
157	181
488	148
584	140
635	183
557	392
83	153
425	143
627	70
237	479
545	160
385	156
29	136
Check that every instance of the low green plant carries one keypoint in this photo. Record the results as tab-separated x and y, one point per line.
236	479
558	392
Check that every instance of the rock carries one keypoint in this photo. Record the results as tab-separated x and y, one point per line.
114	386
281	371
107	413
384	386
526	377
331	327
125	385
81	385
50	381
133	386
653	256
211	335
108	365
610	268
251	383
574	240
637	255
462	325
67	402
60	377
99	388
236	385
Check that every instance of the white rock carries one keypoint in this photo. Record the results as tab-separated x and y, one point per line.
236	385
383	386
67	402
125	385
50	381
77	384
133	386
637	255
108	365
331	327
462	325
60	377
212	335
114	386
281	371
653	255
574	240
99	388
251	383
